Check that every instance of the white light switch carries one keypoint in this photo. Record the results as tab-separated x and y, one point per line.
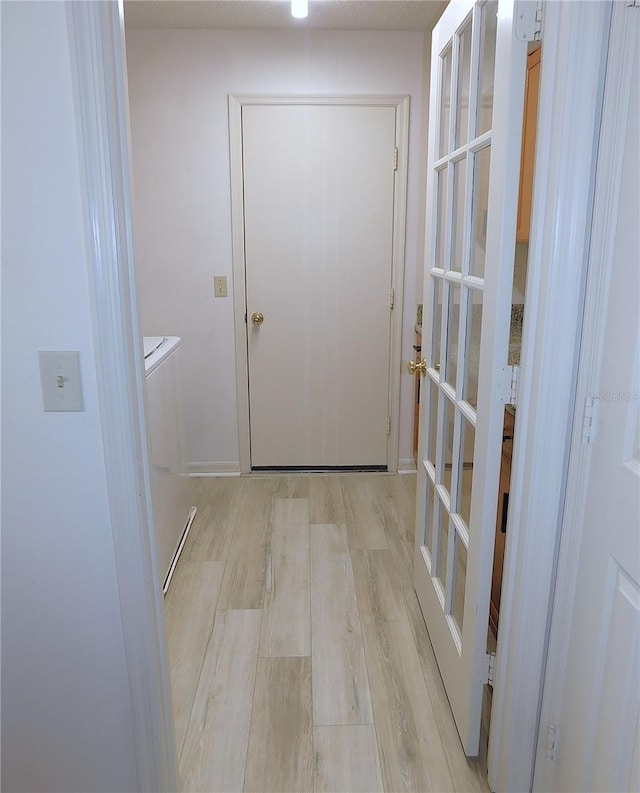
60	380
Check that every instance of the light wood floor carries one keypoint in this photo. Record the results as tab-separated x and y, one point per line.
299	657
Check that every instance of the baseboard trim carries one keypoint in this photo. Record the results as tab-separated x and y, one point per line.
407	466
214	469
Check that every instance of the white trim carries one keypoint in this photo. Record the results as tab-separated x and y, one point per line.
407	466
401	105
605	212
214	469
96	35
574	45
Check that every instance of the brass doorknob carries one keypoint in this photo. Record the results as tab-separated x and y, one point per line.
257	318
414	367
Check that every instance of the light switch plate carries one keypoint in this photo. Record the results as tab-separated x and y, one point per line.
60	380
220	285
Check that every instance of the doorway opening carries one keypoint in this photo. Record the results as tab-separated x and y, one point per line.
307	269
525	193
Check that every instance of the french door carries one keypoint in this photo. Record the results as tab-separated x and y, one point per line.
477	83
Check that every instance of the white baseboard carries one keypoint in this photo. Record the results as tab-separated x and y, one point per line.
407	466
214	469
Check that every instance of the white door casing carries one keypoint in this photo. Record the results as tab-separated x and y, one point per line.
590	735
286	337
472	188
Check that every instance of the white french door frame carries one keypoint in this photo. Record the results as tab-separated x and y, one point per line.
574	56
574	36
401	105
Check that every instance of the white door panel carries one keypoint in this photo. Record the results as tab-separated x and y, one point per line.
477	86
593	701
318	204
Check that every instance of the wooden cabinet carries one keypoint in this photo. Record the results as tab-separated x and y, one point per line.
527	157
501	521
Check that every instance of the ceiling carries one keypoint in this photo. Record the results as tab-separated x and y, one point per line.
417	15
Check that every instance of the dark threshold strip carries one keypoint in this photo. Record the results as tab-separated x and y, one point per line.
320	468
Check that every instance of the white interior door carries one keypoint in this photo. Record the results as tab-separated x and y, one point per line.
319	218
477	83
590	740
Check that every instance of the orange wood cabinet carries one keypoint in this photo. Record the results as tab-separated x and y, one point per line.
527	156
501	522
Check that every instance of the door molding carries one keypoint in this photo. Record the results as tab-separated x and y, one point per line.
97	60
236	103
572	77
609	173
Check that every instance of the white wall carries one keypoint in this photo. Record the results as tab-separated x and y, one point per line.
178	86
66	716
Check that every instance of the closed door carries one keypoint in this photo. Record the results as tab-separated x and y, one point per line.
590	737
318	219
477	88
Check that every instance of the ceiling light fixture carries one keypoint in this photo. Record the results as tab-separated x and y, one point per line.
299	8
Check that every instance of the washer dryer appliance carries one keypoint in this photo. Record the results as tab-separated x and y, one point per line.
170	484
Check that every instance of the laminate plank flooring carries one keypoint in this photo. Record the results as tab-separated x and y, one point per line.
214	753
190	608
286	621
243	584
298	653
280	756
363	513
340	681
346	759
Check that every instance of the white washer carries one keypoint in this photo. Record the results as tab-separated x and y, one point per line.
170	484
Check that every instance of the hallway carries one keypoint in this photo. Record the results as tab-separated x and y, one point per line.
298	653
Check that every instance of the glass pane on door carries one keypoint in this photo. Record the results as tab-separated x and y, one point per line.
436	323
472	346
487	64
441	215
459	203
449	425
459	580
443	545
453	321
467	442
464	71
432	420
445	101
480	204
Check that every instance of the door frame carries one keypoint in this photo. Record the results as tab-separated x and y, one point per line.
574	41
609	170
401	105
99	72
569	114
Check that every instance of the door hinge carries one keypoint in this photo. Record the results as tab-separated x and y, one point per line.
552	741
633	3
515	381
491	671
395	159
507	381
589	420
392	298
528	20
388	425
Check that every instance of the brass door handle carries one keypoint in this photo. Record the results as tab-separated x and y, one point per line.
414	367
257	318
